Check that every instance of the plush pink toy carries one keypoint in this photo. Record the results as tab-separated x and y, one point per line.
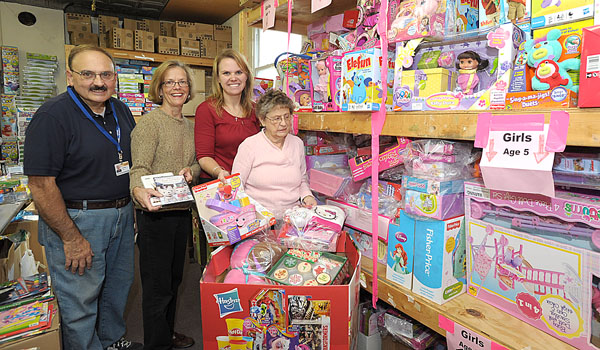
251	259
237	259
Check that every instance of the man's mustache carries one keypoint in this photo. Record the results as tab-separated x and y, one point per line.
98	88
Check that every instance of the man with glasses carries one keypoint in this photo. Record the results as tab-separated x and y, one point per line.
77	157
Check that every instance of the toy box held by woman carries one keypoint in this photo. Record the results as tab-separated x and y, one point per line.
227	214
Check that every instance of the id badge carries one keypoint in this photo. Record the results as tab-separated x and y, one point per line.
122	168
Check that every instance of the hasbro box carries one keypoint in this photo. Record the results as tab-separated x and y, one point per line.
323	317
552	12
439	262
227	214
400	252
326	83
482	65
361	80
537	258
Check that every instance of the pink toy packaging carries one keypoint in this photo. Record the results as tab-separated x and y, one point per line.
537	258
411	19
361	166
361	80
227	214
325	84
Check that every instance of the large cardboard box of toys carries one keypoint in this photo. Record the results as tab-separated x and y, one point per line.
536	257
482	66
227	214
302	316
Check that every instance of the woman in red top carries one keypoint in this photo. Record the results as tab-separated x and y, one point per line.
227	117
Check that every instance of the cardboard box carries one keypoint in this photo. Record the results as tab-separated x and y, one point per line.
133	24
167	45
221	301
199	77
80	38
153	26
559	97
185	30
205	31
439	262
208	48
536	258
221	226
121	39
190	47
400	252
223	45
589	75
167	28
78	22
189	109
106	23
104	39
38	250
144	41
222	33
49	340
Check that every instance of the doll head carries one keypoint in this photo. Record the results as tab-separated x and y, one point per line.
471	60
321	68
303	97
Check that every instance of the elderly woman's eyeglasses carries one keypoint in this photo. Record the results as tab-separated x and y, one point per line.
171	83
89	75
279	119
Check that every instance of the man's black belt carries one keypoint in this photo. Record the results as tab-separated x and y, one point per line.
98	204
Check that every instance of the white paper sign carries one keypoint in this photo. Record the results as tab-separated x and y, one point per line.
316	5
268	14
518	150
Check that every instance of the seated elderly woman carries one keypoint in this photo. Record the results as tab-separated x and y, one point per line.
272	164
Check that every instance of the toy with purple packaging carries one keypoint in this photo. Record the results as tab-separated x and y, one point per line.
294	70
227	214
326	83
536	257
497	45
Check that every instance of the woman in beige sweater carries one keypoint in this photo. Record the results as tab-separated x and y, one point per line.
163	141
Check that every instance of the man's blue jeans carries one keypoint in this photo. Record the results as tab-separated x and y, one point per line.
91	306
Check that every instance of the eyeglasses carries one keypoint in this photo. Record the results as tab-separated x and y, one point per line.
171	83
279	119
89	75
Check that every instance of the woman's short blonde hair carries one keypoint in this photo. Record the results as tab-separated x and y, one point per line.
157	80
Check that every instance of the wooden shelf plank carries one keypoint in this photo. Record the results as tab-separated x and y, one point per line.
153	57
584	130
470	312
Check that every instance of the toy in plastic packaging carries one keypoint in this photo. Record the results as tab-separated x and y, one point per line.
390	198
252	258
577	170
300	267
438	159
312	229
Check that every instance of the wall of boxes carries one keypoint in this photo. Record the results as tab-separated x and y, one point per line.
172	38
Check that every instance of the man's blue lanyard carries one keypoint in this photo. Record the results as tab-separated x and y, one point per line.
116	142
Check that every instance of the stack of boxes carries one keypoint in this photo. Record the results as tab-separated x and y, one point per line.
10	89
79	27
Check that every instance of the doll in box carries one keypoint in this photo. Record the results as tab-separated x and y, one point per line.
468	65
323	86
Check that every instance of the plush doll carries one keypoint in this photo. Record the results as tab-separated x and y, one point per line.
469	63
251	259
544	56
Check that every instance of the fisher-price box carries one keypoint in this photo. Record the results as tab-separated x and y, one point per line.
227	213
361	80
412	19
536	257
552	12
400	252
439	262
479	89
312	317
326	83
434	199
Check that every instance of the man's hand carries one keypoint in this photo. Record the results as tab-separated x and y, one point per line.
143	195
78	255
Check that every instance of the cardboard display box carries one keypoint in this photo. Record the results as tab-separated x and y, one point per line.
80	38
222	45
106	23
167	45
134	25
153	26
199	77
205	31
167	28
78	22
189	109
104	39
185	30
121	39
144	41
222	33
220	301
49	340
208	48
190	47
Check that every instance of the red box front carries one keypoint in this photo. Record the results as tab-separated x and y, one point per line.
589	76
